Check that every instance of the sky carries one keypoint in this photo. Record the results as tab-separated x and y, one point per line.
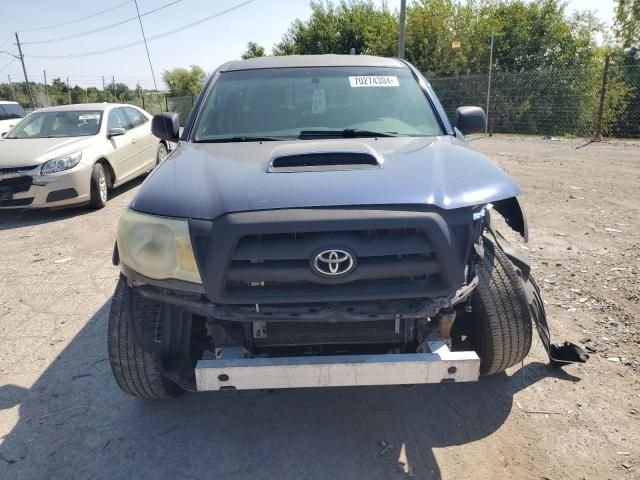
208	44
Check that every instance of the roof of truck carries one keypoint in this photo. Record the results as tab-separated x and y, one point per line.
328	60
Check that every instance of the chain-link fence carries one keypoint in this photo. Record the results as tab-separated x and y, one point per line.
580	101
569	102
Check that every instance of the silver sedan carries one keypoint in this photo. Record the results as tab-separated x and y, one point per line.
74	154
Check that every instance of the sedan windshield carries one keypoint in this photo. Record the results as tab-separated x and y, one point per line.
69	123
321	102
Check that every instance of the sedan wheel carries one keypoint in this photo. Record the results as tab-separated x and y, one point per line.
99	186
162	153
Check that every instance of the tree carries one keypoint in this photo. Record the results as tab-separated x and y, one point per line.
627	23
528	35
253	50
357	24
184	82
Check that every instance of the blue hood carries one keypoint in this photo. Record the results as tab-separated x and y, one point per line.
208	180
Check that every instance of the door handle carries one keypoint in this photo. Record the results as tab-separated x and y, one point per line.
133	140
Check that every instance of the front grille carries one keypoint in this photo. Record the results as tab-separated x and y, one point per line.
276	263
265	257
16	184
335	333
17	169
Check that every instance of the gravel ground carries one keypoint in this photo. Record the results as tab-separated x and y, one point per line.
62	416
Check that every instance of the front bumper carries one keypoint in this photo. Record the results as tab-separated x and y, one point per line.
440	365
29	189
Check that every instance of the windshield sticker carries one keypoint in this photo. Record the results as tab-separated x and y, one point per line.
319	102
92	116
374	81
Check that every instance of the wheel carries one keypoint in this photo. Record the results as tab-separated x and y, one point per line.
137	372
162	153
500	322
98	187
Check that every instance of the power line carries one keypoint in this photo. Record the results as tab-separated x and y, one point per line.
6	40
77	19
155	37
100	29
7	65
144	37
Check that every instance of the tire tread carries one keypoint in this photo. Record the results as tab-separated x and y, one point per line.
136	371
502	313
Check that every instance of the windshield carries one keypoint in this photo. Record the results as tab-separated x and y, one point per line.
283	102
10	111
70	123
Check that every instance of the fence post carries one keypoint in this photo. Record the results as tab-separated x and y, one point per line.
603	95
166	102
143	107
192	100
486	128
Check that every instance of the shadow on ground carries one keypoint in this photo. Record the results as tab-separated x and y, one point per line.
75	423
10	219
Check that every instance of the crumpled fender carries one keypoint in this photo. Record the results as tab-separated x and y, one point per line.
513	213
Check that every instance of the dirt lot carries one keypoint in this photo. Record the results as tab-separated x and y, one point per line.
62	416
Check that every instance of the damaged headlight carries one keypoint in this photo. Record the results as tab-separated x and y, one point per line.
157	247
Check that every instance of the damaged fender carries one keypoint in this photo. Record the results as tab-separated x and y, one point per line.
513	214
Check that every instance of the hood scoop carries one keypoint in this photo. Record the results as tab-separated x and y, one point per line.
324	156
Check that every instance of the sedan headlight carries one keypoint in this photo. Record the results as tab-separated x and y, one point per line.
62	163
157	247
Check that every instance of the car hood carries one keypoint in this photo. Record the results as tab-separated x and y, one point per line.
24	152
208	180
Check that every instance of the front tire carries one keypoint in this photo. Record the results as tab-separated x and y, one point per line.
137	372
161	153
500	324
99	187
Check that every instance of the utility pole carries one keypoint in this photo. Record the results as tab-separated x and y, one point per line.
103	83
69	90
46	87
153	75
24	70
13	93
486	127
86	95
403	15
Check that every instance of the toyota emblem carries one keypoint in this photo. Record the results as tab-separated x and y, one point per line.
333	263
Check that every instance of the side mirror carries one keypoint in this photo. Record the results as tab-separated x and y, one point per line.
166	126
470	120
114	132
3	134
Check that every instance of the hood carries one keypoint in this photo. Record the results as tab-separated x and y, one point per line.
208	180
23	152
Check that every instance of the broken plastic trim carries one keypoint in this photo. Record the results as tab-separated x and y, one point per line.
560	354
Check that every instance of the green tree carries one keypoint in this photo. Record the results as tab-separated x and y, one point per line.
528	35
357	24
253	50
627	23
58	92
184	82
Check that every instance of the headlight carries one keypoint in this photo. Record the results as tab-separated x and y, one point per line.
62	163
157	247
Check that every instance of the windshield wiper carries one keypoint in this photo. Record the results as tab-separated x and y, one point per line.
241	138
346	133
